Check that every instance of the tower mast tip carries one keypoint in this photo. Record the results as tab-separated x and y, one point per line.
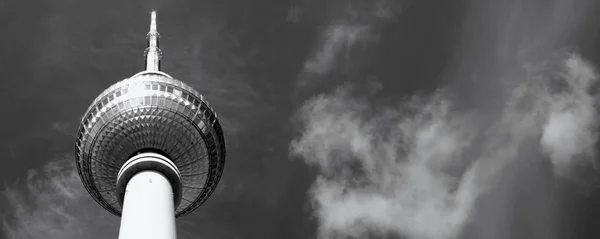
153	52
153	21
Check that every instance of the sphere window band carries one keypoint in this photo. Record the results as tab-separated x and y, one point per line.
95	113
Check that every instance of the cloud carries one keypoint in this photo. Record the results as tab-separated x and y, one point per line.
335	38
385	173
64	127
352	25
417	169
570	132
52	203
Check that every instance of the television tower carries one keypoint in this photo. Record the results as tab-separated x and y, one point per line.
150	149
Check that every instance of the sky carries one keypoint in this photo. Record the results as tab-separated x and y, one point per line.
417	119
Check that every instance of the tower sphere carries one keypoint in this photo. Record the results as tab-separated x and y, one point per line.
150	112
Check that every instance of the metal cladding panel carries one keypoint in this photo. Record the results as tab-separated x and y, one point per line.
150	111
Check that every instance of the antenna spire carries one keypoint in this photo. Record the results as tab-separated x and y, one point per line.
153	52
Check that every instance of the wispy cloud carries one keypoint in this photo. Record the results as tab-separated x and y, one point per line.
569	134
352	25
65	127
335	38
417	169
52	203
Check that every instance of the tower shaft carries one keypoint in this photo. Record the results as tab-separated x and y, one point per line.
148	208
147	182
153	52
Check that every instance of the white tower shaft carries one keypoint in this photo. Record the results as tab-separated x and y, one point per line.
148	208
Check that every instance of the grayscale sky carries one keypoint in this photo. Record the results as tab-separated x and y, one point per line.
419	119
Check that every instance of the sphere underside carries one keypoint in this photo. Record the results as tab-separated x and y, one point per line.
150	112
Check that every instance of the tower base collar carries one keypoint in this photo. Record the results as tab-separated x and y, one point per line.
154	162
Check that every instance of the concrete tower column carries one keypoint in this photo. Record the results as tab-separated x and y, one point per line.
148	198
148	208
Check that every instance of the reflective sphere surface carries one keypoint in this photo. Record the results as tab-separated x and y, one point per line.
150	112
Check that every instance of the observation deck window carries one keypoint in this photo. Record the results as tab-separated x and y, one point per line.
186	110
210	140
177	92
197	120
184	95
201	125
